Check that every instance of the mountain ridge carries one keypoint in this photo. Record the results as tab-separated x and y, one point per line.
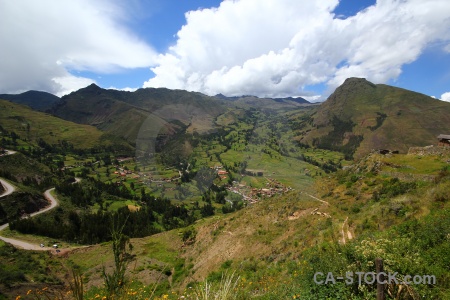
36	100
360	116
123	113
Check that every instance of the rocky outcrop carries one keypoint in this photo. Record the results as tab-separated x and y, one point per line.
429	150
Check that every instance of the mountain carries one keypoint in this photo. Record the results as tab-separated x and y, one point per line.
123	113
279	216
360	116
249	100
298	100
35	99
31	126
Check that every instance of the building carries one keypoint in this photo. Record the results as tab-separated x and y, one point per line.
444	140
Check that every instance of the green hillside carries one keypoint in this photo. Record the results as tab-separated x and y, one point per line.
37	100
123	113
246	194
31	126
360	116
276	245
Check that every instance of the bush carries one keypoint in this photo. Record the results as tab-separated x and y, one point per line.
189	235
395	187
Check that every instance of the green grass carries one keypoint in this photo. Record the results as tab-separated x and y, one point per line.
412	164
21	166
114	206
15	118
363	103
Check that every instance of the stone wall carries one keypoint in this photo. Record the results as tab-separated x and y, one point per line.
429	150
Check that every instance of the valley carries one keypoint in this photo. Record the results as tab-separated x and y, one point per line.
260	192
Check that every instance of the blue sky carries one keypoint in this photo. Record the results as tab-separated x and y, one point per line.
269	48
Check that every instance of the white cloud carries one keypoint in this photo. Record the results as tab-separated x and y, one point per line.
70	83
447	48
277	48
43	40
125	89
445	97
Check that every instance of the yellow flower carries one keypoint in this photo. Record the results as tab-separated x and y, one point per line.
18	297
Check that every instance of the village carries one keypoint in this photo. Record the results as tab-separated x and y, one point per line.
168	179
254	195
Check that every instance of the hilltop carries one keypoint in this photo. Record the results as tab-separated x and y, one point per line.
360	116
36	100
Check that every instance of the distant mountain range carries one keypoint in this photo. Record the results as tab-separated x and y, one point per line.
35	99
123	113
358	117
287	100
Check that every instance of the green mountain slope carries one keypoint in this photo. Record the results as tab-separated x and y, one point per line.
31	126
275	246
247	101
35	99
360	116
123	113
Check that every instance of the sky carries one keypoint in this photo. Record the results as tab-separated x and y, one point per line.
266	48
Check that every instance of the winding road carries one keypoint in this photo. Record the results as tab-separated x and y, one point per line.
9	188
23	244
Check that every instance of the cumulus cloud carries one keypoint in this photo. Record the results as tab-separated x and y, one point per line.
44	41
279	48
69	83
445	97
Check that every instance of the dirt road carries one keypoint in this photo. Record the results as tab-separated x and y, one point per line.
25	245
9	188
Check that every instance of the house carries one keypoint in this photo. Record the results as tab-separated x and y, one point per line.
444	140
222	172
